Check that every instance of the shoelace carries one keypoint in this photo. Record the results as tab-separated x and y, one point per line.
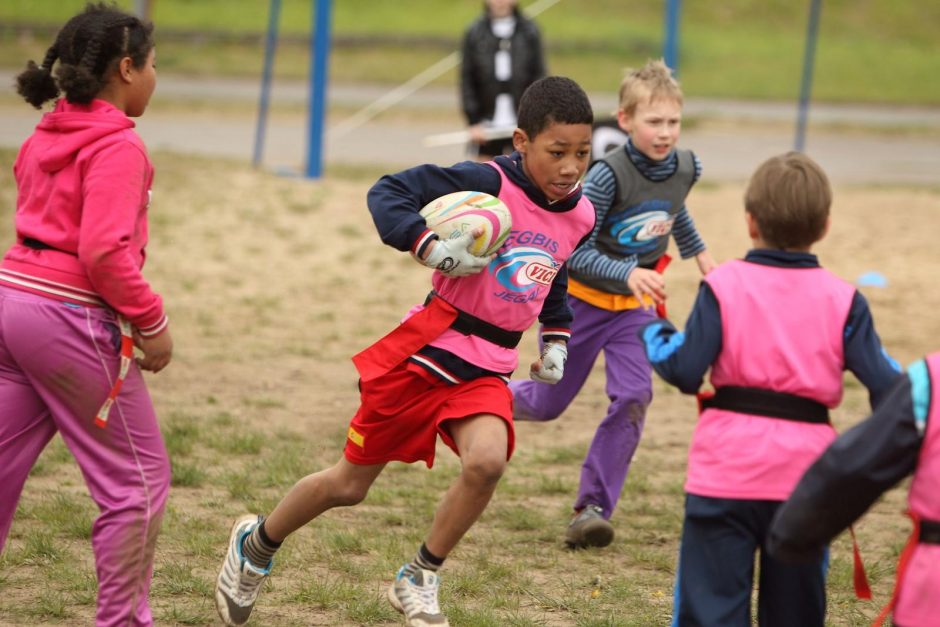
247	581
248	585
244	594
426	598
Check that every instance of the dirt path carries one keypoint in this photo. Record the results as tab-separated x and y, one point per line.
856	144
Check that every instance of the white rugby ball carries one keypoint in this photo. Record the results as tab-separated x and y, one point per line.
454	214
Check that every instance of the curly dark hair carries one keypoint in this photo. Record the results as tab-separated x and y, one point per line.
553	100
87	48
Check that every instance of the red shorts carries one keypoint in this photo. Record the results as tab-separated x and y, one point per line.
402	412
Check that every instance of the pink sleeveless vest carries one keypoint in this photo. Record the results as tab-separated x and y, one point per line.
510	292
918	600
782	330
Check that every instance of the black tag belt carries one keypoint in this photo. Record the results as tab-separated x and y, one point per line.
769	403
471	325
929	532
35	244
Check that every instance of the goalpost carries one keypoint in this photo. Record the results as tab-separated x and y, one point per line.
319	69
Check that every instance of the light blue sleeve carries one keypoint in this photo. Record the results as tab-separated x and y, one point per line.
919	375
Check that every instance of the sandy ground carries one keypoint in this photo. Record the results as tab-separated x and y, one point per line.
270	286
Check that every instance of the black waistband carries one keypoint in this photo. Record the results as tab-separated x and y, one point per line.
768	403
929	532
471	325
35	244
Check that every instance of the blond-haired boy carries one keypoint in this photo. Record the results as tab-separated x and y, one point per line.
638	191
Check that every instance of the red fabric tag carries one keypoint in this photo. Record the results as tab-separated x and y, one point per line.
903	560
405	339
702	396
859	578
660	267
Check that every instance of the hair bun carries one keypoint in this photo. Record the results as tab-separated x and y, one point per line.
36	85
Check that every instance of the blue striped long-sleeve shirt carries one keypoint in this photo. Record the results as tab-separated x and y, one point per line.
600	186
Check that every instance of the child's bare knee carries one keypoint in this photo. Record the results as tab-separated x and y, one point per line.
349	494
485	468
349	490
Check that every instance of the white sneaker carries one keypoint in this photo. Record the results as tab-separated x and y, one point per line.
415	596
239	582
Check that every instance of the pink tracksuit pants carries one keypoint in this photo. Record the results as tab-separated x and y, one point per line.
57	364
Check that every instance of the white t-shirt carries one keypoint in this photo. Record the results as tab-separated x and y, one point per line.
504	114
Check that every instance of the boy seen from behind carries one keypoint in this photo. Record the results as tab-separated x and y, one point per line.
444	370
777	331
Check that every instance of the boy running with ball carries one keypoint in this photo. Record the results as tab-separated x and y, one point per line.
443	372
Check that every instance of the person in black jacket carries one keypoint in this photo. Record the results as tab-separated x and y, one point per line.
502	56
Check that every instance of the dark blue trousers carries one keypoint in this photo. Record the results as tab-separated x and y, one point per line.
720	538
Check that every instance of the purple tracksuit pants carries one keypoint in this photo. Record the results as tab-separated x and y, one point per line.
629	388
57	364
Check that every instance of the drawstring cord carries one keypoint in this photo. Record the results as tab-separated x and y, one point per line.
127	355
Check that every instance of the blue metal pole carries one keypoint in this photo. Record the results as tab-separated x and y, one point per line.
806	83
143	8
671	42
318	80
270	44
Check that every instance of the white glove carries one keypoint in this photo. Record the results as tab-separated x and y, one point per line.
453	257
551	366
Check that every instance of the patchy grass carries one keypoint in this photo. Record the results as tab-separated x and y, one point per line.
267	307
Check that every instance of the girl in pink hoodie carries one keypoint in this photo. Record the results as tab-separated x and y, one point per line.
73	300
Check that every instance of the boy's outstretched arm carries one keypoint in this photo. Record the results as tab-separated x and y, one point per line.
865	357
687	238
854	471
600	187
690	243
705	262
683	358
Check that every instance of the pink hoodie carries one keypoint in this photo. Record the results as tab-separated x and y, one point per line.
84	184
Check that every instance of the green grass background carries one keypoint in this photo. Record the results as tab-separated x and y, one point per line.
868	51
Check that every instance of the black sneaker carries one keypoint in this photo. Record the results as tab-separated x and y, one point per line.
589	528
